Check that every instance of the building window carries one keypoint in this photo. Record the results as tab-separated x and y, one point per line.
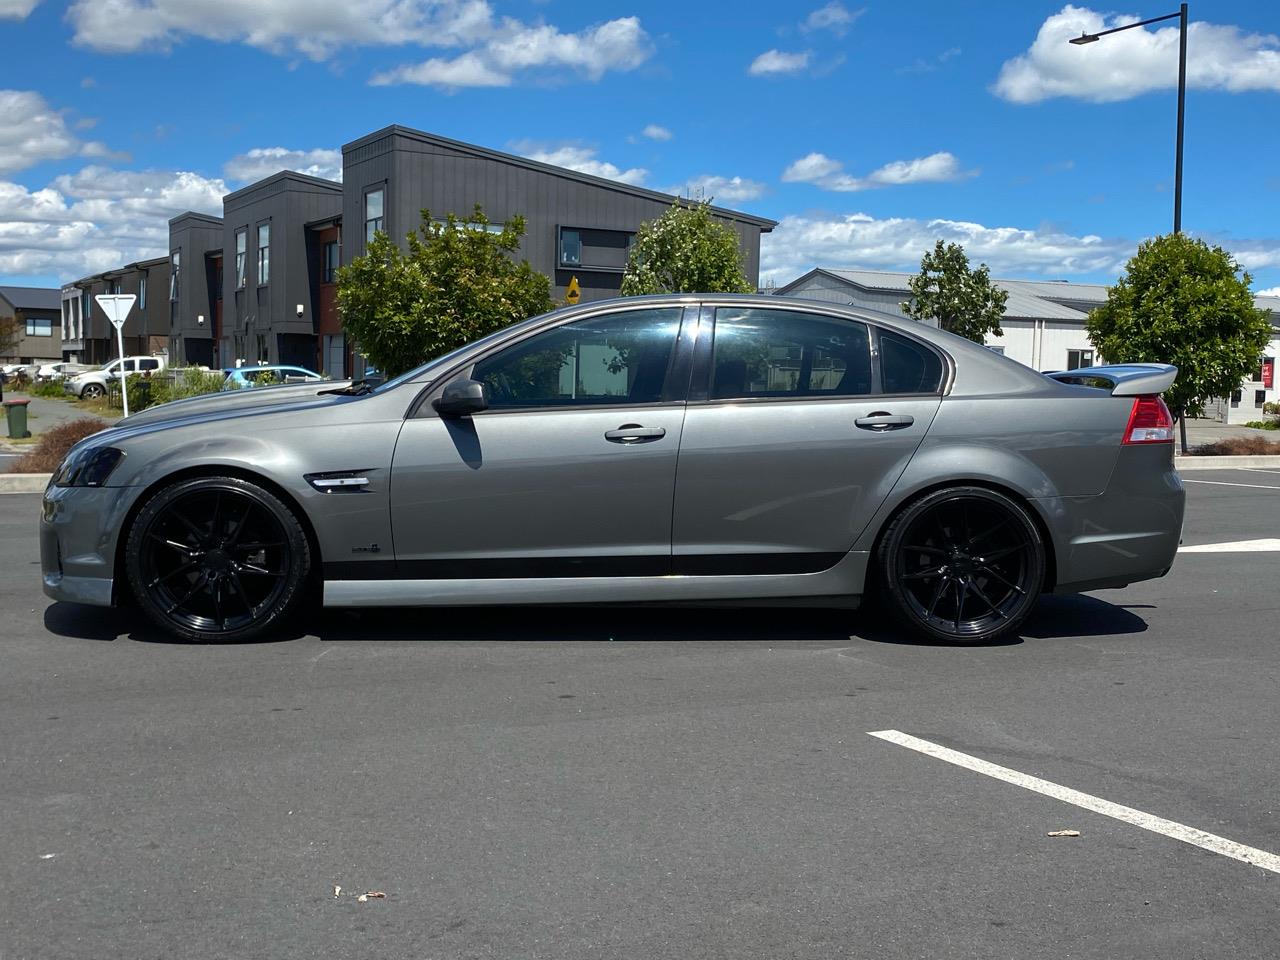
263	356
86	306
1235	399
175	271
142	292
241	242
570	248
373	213
39	327
1259	398
330	261
264	253
1076	359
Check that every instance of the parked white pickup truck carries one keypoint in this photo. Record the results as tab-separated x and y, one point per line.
95	383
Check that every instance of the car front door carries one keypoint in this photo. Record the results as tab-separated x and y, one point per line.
569	472
798	425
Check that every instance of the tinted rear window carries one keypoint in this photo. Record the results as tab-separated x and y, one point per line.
907	366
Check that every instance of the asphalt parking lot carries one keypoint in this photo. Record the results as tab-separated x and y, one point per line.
652	783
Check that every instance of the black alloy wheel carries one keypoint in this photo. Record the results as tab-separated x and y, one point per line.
963	565
217	558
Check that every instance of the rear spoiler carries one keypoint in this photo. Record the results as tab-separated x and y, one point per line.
1122	379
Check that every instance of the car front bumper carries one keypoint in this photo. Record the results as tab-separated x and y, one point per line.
78	533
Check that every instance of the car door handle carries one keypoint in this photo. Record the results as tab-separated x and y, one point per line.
634	433
881	422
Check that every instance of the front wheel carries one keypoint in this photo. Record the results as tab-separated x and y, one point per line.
217	558
92	391
962	565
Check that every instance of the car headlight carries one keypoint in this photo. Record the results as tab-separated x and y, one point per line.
87	468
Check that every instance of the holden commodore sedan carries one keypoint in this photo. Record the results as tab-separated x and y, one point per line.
727	449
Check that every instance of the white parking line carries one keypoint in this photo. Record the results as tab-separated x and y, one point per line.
1236	546
1169	828
1224	483
1255	469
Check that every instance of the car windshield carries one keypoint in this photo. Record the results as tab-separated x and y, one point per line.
416	372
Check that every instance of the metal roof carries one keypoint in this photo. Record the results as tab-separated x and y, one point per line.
33	298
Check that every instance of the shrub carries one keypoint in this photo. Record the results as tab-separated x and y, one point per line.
1264	424
139	387
1238	447
49	389
188	382
54	444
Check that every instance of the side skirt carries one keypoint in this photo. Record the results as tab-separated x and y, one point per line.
845	578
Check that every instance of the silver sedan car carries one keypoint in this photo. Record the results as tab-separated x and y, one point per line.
713	448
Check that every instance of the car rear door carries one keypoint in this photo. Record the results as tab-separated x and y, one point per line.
798	425
571	469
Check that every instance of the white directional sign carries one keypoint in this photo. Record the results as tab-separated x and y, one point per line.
117	306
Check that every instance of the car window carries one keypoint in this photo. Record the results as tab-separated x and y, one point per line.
907	366
781	353
615	358
148	364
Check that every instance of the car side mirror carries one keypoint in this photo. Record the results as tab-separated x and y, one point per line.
461	398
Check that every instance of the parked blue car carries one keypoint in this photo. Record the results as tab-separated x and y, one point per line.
240	377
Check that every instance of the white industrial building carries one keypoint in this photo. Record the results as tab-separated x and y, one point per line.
1043	325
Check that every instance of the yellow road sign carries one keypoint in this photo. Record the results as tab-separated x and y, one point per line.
572	295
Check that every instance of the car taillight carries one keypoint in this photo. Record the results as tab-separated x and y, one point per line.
1150	422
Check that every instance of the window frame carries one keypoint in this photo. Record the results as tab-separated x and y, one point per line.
675	383
1081	351
175	274
242	256
261	249
582	263
368	191
31	330
700	386
330	274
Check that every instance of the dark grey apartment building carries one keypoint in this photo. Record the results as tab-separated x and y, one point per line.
37	331
87	334
195	293
257	284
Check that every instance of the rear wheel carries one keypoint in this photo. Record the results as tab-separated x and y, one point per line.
962	565
217	558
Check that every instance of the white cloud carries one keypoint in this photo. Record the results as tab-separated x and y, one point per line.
263	162
655	132
719	189
16	9
1269	292
312	28
834	17
800	243
775	62
31	131
96	219
822	171
512	47
1137	61
580	158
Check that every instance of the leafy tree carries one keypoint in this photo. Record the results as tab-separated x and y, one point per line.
962	300
457	282
685	251
1183	302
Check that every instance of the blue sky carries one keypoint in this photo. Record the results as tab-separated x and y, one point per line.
867	130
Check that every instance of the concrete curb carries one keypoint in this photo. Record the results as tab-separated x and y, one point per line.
24	482
1183	464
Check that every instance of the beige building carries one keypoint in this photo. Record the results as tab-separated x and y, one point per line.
36	314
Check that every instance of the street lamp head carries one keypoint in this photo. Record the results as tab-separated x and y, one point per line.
1084	38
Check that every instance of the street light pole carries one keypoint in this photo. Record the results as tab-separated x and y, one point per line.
1182	92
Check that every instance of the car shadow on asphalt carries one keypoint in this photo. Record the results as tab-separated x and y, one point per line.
1055	617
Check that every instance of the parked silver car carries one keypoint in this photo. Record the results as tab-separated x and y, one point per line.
657	449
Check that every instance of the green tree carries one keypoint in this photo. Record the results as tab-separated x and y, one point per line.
962	301
457	282
685	251
1183	302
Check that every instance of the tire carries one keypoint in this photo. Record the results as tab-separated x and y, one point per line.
217	559
962	565
92	391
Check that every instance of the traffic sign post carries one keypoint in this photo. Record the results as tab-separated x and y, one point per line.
117	306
